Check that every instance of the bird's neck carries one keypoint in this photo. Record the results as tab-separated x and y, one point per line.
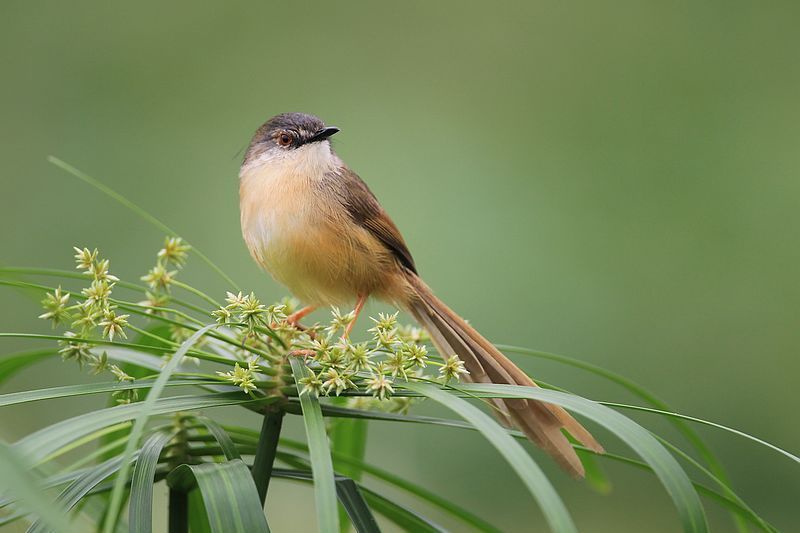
272	185
311	161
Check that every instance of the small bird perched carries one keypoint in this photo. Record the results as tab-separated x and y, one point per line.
317	228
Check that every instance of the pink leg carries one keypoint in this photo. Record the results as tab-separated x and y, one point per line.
298	315
362	299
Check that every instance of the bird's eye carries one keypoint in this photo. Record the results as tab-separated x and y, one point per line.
284	139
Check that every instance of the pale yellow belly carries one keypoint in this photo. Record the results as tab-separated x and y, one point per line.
311	246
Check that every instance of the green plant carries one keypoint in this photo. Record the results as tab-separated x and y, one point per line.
244	353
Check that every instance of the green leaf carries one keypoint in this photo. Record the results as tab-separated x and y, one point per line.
321	465
198	516
552	507
39	445
141	419
136	359
12	363
670	414
456	511
735	505
729	499
355	506
473	393
21	481
140	508
637	390
349	438
348	491
404	517
222	437
349	494
81	486
266	444
88	388
595	475
666	468
155	336
229	495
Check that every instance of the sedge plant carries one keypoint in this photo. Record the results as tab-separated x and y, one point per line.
141	338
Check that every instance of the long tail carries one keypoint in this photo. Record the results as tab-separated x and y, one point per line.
541	422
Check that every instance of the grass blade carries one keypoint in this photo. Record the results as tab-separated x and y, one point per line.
356	507
198	516
140	509
666	468
430	497
472	392
38	446
670	414
402	516
550	503
229	495
321	465
266	445
23	483
82	486
348	491
222	437
348	438
141	419
729	499
89	388
732	504
596	477
637	390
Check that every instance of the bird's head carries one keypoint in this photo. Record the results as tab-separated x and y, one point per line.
290	136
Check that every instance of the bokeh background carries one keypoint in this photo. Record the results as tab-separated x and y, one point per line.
616	181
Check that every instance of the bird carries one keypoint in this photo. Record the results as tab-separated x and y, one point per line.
315	226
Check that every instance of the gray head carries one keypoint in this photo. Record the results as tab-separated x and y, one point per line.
286	132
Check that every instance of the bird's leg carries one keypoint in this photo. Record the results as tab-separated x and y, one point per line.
305	354
362	299
294	318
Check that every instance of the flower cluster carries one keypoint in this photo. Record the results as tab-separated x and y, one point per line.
243	378
249	312
160	278
93	316
255	338
395	353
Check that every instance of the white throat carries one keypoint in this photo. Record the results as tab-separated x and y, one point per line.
310	161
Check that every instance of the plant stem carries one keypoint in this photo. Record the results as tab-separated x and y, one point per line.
265	452
196	292
178	511
138	210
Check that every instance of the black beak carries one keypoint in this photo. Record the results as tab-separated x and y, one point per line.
323	134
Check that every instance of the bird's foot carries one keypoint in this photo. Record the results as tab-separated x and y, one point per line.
305	354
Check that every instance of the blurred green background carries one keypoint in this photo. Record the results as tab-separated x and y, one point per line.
613	181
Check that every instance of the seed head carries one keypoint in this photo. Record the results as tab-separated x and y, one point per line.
55	306
452	369
174	252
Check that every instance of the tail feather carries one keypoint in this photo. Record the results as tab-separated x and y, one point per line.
477	374
541	422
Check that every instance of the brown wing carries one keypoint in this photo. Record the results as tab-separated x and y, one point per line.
365	211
